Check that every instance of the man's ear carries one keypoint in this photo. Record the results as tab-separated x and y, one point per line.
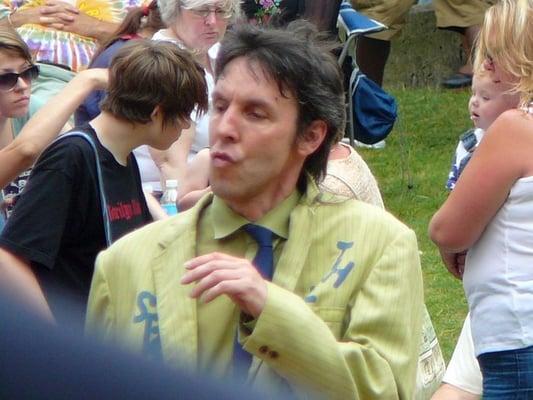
313	137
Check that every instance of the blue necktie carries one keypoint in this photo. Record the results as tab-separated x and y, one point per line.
264	258
264	262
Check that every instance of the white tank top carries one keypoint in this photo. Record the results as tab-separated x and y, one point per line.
498	278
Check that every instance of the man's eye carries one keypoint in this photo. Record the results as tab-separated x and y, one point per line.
219	107
257	114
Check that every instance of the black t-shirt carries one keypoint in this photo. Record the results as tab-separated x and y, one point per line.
57	224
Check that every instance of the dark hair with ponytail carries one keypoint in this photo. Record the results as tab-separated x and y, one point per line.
144	17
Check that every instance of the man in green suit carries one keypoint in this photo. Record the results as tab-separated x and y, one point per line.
341	316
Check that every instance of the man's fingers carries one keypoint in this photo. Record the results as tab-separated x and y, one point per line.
455	270
248	294
49	20
55	19
232	288
214	279
200	260
58	6
57	27
64	17
208	267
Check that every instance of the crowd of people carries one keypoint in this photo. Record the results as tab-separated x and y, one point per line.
282	271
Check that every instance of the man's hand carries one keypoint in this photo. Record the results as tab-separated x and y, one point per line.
57	14
65	17
85	25
455	262
53	14
218	273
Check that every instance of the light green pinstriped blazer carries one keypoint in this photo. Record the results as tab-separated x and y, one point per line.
343	313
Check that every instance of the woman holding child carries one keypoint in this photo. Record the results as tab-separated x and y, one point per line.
489	213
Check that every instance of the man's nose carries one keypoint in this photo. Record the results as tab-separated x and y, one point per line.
224	126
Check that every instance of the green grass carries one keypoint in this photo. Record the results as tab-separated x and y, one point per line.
411	172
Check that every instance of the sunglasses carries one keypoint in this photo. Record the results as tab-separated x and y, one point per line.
9	80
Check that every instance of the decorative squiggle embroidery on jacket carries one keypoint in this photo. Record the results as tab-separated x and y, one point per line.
337	269
147	303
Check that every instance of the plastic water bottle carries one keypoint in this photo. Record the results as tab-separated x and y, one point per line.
168	200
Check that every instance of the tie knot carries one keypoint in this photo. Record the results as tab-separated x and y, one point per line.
262	235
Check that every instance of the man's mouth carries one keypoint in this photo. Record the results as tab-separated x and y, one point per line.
221	159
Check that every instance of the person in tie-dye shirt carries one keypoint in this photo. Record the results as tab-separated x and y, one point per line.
64	32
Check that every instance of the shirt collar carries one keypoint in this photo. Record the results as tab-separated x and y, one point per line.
226	221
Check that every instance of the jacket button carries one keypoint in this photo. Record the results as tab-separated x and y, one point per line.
273	354
263	349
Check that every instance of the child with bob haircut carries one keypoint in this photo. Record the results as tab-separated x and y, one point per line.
85	193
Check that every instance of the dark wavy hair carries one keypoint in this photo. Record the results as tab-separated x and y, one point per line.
300	61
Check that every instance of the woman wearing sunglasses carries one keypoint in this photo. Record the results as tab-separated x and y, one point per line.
17	72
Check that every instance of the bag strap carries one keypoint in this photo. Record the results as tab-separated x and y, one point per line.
100	180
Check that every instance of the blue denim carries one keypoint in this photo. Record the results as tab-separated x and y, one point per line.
507	375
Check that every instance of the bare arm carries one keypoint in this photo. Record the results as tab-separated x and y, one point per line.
191	198
20	283
196	181
197	175
45	125
503	157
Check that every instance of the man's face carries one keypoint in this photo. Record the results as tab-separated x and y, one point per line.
253	127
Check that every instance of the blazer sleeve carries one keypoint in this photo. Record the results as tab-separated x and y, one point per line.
100	321
373	355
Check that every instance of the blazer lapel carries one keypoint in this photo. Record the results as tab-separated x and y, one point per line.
294	255
176	310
